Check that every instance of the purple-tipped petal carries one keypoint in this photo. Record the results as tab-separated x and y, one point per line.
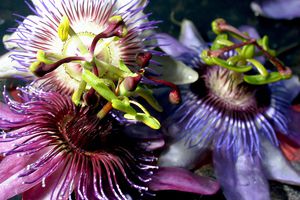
277	9
276	166
241	179
175	49
171	178
44	190
15	184
8	115
190	37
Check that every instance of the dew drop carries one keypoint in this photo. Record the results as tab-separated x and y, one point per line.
43	182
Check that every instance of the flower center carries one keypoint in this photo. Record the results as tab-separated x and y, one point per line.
81	135
105	50
229	87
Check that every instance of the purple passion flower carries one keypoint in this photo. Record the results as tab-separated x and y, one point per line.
52	148
232	112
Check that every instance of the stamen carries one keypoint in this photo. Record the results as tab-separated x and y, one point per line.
64	28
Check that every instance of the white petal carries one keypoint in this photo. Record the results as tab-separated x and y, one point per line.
7	68
175	72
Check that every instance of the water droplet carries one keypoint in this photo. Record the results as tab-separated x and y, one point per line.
43	182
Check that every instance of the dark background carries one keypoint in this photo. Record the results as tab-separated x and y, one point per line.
283	34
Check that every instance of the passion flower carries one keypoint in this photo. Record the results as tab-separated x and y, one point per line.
235	109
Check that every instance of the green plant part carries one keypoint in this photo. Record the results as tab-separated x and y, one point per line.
96	71
246	51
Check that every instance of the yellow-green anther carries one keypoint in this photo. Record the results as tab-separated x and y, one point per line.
115	19
216	45
216	25
76	97
207	59
224	42
41	56
146	119
63	28
34	66
261	69
147	95
262	80
248	51
265	43
222	63
124	31
233	60
123	106
98	85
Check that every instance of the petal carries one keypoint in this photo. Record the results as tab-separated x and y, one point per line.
294	126
40	192
190	37
15	184
8	70
7	115
177	50
277	9
292	87
241	178
276	166
175	71
178	154
171	178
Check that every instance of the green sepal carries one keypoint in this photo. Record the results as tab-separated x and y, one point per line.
150	121
98	85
